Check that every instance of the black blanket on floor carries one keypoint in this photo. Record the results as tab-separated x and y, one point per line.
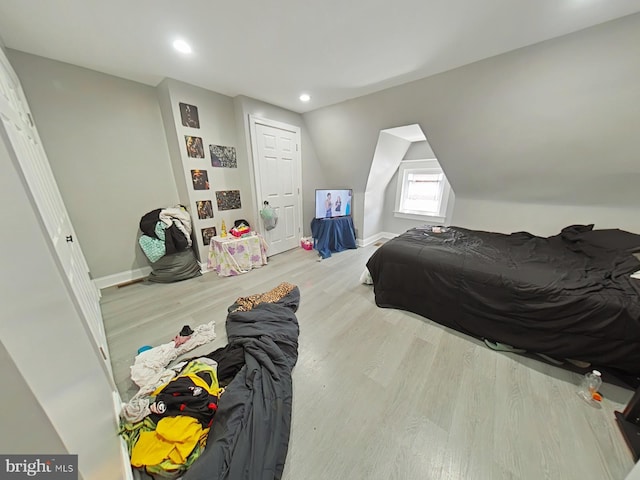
566	296
249	438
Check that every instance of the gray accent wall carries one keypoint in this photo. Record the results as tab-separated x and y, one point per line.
21	412
553	124
540	219
117	151
545	129
108	151
47	354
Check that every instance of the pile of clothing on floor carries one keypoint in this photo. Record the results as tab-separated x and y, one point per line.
165	231
227	414
166	241
168	440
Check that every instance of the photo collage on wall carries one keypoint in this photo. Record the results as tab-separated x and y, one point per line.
228	200
221	157
204	209
194	146
200	179
207	234
189	115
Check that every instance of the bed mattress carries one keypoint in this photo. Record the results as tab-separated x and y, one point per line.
566	296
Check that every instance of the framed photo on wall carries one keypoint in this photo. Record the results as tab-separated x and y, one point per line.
204	209
228	199
223	156
194	146
207	234
200	179
189	115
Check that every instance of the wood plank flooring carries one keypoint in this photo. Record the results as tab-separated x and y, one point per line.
383	394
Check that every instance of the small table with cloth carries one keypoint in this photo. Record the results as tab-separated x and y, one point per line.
229	256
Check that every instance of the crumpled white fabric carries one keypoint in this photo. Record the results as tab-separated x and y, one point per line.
138	407
150	365
180	217
365	278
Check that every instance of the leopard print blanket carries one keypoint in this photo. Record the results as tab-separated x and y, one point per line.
244	304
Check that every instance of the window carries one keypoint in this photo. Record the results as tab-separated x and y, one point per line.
423	191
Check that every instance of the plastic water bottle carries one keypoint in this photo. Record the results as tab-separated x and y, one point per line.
590	385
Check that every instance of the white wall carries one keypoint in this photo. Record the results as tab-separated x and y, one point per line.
368	215
217	127
419	151
108	151
175	148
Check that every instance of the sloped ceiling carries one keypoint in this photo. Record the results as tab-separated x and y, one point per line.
557	122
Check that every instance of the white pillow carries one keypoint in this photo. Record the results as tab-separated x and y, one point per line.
365	278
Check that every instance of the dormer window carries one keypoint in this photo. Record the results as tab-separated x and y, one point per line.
423	191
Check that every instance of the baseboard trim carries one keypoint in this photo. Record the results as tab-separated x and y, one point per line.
364	242
122	277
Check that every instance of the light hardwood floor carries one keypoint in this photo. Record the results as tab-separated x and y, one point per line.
383	394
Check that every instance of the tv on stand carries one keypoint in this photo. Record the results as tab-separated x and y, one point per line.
332	203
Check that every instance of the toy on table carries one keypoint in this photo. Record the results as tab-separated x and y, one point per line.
240	230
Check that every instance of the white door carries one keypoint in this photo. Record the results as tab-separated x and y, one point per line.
278	173
17	124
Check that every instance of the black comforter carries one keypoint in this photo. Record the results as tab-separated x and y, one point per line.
566	296
250	434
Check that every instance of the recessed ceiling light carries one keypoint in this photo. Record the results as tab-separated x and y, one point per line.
182	46
305	97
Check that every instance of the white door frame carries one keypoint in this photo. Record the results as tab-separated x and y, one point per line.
257	183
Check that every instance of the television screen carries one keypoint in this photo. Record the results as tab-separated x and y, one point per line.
333	203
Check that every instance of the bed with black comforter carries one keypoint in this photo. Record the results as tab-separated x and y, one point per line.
569	296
